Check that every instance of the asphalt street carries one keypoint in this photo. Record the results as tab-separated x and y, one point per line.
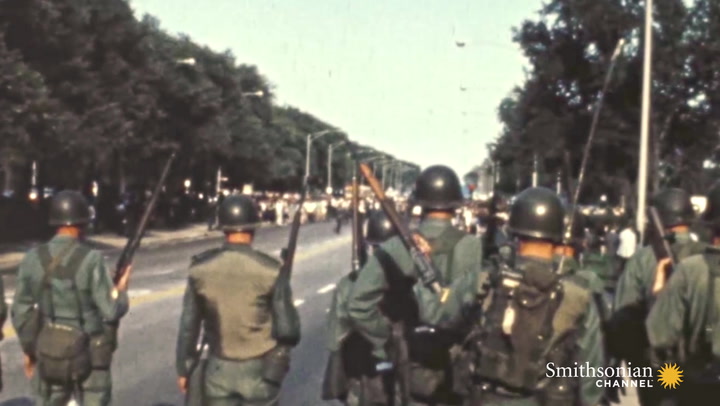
144	371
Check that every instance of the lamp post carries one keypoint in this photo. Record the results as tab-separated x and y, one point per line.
330	153
310	138
645	119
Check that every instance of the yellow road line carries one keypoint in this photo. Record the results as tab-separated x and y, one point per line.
175	291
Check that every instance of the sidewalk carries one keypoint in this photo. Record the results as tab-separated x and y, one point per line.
12	254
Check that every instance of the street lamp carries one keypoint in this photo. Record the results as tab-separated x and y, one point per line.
310	138
186	61
259	93
330	152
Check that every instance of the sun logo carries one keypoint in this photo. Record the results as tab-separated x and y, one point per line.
670	376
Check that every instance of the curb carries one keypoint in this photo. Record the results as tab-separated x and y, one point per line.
10	269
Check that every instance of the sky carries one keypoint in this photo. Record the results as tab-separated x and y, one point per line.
386	72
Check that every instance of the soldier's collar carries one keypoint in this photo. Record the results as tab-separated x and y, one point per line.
237	247
64	238
433	222
681	237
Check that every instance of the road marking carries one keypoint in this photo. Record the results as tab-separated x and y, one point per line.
177	290
298	302
139	292
326	289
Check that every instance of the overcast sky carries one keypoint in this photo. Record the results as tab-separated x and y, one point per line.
387	72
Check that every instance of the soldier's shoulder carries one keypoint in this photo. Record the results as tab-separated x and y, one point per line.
694	262
589	280
265	259
578	284
205	257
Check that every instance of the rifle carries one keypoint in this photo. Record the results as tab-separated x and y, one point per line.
591	136
358	253
286	321
659	242
427	271
490	248
133	243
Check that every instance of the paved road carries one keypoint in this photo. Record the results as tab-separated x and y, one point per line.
144	364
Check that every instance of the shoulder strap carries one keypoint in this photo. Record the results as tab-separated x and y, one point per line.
49	264
392	271
69	270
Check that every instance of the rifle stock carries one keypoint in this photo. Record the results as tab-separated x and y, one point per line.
658	241
133	243
425	268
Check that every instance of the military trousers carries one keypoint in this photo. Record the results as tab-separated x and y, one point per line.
95	391
238	383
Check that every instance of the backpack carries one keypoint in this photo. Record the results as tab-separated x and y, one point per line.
531	316
62	351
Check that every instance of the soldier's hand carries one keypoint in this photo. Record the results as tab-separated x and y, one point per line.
124	281
661	275
29	366
182	384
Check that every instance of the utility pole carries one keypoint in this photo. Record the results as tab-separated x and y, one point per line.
645	119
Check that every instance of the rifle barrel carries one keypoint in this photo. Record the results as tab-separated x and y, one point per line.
133	244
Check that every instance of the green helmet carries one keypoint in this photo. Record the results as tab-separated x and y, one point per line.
674	207
69	208
379	228
537	213
438	187
237	213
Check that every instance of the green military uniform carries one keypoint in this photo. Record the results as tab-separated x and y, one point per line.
603	267
633	299
230	296
682	319
463	297
455	254
94	287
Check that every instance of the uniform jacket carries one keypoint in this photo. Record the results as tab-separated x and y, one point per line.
230	294
463	297
94	286
681	308
368	290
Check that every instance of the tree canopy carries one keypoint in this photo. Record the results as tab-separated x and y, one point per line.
90	92
568	48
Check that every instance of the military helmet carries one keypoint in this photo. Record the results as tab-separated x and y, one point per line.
712	211
69	208
438	187
537	213
674	207
237	212
379	228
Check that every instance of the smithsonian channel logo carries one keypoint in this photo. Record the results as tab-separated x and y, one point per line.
669	376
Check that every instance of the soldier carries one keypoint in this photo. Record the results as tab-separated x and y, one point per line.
563	315
64	295
580	263
634	298
351	375
683	318
231	295
454	253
